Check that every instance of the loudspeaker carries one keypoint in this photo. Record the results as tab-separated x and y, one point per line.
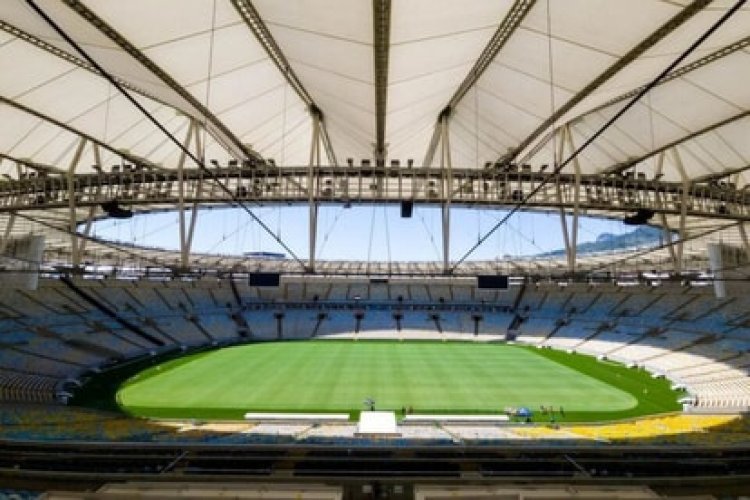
407	207
492	282
641	216
264	279
114	210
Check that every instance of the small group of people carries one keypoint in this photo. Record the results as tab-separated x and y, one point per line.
550	410
526	414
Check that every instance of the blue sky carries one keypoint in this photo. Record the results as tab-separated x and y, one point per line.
362	232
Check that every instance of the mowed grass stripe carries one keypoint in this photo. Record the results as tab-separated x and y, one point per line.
336	376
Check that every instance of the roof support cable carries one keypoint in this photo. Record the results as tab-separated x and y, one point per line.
714	56
209	79
255	23
79	133
387	236
219	130
430	234
728	14
677	73
669	244
138	256
372	236
163	129
622	166
330	229
641	48
512	20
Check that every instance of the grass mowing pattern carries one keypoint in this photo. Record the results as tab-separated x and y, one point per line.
430	377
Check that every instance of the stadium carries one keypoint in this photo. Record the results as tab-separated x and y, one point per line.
374	249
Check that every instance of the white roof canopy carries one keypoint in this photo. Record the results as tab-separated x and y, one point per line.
256	76
195	59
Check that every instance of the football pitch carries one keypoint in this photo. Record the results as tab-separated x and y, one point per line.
428	377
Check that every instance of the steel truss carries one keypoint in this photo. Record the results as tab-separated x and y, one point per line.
144	190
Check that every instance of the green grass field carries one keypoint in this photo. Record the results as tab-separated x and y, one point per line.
430	377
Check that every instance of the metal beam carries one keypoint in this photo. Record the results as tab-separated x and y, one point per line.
184	248
381	29
434	141
665	29
571	236
196	159
558	168
659	197
576	213
558	189
58	52
745	240
26	162
668	239
86	231
7	232
123	154
447	183
620	167
72	195
507	27
684	199
151	191
312	182
212	123
720	175
250	15
682	71
187	243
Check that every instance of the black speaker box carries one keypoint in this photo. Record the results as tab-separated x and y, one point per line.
113	209
492	282
264	279
407	207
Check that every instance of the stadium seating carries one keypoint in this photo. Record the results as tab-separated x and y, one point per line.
570	336
262	323
653	346
52	336
27	387
535	330
673	331
610	339
495	323
634	304
606	301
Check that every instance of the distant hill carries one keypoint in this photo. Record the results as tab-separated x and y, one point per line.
639	237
